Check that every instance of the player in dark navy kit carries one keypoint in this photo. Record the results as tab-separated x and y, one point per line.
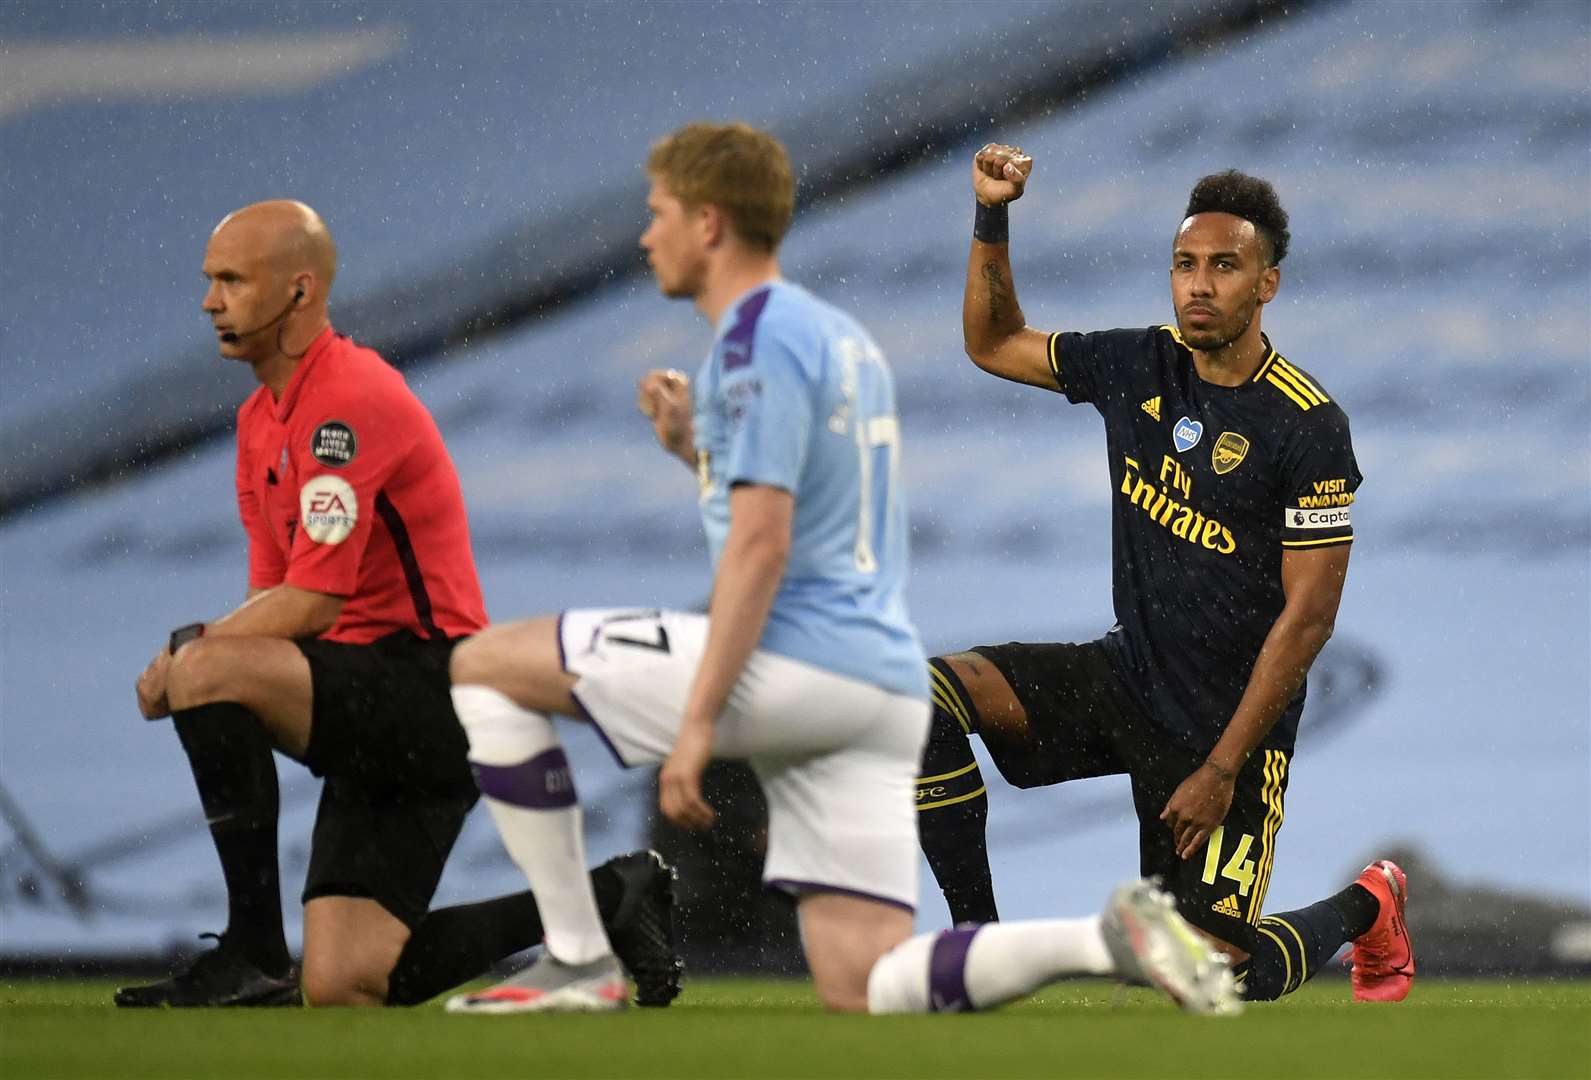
361	581
1233	479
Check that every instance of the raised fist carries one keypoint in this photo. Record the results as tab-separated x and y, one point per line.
999	173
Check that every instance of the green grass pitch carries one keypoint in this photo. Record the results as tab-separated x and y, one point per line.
743	1028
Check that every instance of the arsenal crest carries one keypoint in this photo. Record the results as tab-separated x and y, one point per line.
1229	451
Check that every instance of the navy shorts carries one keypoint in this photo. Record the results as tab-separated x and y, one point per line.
1082	721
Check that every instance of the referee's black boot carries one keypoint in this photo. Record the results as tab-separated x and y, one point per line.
220	977
642	929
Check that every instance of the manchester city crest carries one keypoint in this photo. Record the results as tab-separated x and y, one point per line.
1228	453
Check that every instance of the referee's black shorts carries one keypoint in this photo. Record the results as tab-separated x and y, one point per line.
398	784
1083	721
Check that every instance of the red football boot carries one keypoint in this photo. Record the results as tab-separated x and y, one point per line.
1383	956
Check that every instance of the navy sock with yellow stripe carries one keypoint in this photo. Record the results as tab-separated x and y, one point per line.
1294	945
953	803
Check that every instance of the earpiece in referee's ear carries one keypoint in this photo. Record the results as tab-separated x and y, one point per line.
298	294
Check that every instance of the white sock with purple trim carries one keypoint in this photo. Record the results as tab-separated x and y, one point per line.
524	777
979	967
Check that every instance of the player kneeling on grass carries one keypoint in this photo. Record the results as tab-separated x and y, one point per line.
1222	602
361	582
806	664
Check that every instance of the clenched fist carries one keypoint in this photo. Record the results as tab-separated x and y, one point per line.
664	397
999	173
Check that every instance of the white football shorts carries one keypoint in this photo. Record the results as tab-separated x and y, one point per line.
837	758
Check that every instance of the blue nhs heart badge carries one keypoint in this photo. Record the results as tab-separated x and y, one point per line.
1187	434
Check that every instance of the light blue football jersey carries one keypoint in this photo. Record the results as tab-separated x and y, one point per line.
796	395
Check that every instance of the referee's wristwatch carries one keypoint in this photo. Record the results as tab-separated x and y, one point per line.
184	634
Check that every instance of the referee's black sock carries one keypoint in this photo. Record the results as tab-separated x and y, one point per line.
1294	945
453	945
230	755
953	803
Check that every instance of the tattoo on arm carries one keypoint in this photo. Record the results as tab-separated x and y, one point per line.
999	292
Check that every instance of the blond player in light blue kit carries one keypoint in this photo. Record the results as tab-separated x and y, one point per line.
806	665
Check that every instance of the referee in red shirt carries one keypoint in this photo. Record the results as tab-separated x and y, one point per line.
361	581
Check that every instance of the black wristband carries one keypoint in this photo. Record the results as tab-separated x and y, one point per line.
184	634
992	224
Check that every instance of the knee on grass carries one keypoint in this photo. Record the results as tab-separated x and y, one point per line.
340	982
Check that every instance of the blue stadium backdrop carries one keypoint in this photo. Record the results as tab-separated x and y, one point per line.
1438	286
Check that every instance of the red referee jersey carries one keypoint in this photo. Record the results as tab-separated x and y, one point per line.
345	488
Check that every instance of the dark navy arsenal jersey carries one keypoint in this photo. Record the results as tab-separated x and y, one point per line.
1211	484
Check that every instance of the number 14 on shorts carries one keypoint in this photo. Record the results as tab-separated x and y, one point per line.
1240	868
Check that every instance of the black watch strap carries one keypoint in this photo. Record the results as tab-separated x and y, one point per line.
184	634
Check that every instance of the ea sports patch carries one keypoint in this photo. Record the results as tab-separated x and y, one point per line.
1229	451
328	510
334	444
1187	433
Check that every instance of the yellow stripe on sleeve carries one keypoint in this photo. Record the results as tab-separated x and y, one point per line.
1317	543
1303	380
1288	375
1055	358
1288	390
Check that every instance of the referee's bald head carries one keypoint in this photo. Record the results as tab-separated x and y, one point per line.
286	233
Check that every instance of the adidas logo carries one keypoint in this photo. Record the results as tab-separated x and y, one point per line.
1228	907
1152	407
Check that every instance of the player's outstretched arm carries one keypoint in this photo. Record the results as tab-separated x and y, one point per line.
995	335
664	397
